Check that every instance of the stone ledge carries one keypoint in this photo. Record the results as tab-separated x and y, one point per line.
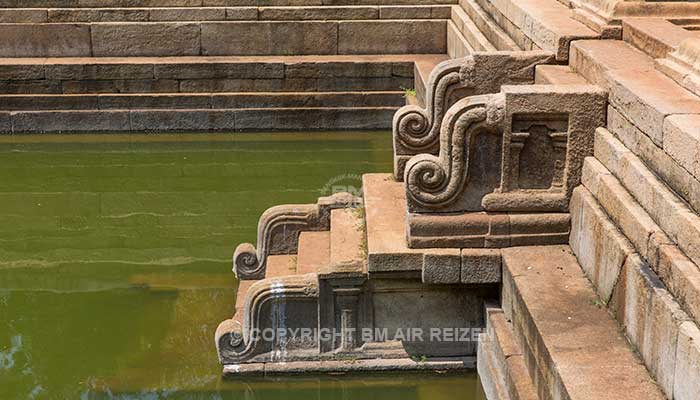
548	23
576	347
349	366
500	361
676	219
638	91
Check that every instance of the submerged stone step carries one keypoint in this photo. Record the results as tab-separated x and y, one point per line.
250	119
135	101
134	39
574	348
209	74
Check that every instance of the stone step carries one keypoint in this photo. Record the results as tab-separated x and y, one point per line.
314	251
657	37
500	360
488	27
642	103
245	13
474	37
543	24
209	74
140	101
276	266
557	75
347	244
224	38
573	347
421	75
388	252
201	3
197	120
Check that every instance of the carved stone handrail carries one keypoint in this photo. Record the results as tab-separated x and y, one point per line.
238	342
416	130
435	180
278	232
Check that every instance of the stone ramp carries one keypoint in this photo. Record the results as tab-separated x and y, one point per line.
573	347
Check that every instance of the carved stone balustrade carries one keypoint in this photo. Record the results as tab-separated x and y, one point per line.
506	168
416	130
278	232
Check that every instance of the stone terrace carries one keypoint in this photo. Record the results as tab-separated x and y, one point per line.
174	65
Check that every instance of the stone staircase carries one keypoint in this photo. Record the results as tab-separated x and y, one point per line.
549	196
225	65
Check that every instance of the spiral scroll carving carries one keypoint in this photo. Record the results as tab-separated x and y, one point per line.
278	232
437	181
419	128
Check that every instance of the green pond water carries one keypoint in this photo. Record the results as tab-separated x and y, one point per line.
115	261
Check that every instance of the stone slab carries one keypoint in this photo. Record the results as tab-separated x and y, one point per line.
548	23
269	38
45	40
656	158
598	245
651	317
70	121
394	37
637	90
576	344
145	39
626	213
385	217
657	37
676	219
314	251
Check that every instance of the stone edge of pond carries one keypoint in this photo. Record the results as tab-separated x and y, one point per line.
232	371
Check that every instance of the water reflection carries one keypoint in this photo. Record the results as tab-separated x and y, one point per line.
115	260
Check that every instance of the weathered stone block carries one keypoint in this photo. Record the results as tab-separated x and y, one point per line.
218	70
26	15
339	69
121	86
97	15
189	14
405	12
269	38
652	319
597	243
99	71
481	266
682	278
145	39
658	160
686	384
681	140
441	268
5	122
21	72
318	13
186	120
295	119
457	46
71	121
395	37
623	209
242	13
45	40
